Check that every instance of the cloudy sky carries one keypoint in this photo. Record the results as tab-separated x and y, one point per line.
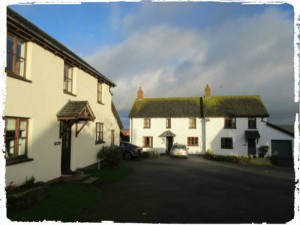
175	49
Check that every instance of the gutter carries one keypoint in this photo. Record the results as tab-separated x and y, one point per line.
63	50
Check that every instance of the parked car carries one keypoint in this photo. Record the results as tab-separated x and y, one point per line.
179	150
130	151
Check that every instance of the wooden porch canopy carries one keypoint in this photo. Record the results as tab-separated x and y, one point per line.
252	134
75	112
167	133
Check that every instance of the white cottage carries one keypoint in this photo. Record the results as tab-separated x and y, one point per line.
58	109
223	125
160	122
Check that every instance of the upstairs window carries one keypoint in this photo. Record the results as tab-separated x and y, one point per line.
16	55
147	123
168	122
16	137
251	123
192	122
99	92
230	123
68	79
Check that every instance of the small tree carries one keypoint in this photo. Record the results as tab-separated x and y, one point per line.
112	155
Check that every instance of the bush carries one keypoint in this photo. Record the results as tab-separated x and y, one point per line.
111	155
263	151
150	154
245	160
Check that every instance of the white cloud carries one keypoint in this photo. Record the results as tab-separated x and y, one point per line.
248	55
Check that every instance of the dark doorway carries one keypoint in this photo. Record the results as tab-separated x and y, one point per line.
66	148
251	146
169	144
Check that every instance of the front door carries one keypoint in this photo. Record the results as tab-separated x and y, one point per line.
169	144
66	149
251	146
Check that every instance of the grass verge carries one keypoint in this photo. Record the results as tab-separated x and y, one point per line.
110	175
66	200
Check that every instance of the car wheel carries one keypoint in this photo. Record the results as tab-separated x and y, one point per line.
127	156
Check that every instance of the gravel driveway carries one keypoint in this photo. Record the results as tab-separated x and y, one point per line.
195	190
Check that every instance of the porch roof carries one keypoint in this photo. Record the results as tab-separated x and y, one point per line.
252	134
76	110
167	133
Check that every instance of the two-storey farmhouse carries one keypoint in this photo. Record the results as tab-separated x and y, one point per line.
225	125
58	109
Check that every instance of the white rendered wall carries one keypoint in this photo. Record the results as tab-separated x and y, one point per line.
215	131
179	126
40	101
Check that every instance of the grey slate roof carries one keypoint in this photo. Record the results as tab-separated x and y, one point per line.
216	106
75	110
166	107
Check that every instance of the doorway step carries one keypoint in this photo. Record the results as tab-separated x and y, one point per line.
78	177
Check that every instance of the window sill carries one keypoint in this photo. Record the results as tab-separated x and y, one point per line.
230	128
101	103
69	93
99	142
10	162
18	77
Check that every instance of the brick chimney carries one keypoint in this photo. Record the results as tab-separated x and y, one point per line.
140	94
207	91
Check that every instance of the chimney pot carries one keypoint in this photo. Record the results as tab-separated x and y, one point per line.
207	91
140	94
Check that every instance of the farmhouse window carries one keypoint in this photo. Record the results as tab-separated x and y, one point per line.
99	133
226	143
230	123
147	123
16	137
16	55
251	123
168	122
68	79
192	141
147	142
112	137
192	122
99	92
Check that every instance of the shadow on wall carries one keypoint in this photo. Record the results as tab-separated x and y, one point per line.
45	148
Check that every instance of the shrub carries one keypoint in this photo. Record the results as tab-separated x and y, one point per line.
150	154
246	160
112	155
274	159
263	150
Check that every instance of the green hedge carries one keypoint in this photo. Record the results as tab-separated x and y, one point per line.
150	154
245	160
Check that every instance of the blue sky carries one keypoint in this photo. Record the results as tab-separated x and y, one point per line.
174	49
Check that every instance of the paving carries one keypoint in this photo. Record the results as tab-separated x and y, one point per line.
195	190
